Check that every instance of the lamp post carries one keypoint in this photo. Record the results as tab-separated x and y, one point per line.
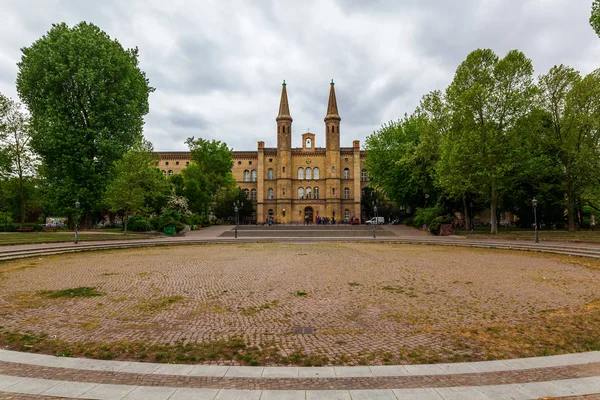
534	204
77	204
236	207
283	215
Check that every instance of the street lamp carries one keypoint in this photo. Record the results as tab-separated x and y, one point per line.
534	204
77	204
236	207
283	214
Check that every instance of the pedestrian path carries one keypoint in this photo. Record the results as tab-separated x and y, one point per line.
42	376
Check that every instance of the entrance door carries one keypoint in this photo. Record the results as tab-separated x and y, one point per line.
308	212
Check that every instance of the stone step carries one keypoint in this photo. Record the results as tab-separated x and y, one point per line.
308	233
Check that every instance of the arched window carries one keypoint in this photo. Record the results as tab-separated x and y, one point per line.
246	176
170	173
270	194
283	192
362	192
270	174
347	214
316	174
346	193
300	173
253	194
283	129
253	175
308	174
300	193
363	175
333	191
316	192
308	193
346	173
164	172
247	193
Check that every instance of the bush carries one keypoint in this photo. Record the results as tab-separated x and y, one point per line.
170	217
436	223
139	223
424	216
8	227
36	227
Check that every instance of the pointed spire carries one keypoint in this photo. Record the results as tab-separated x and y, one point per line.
332	110
284	108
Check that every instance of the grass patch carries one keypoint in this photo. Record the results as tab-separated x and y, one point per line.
83	291
57	237
250	311
158	305
353	284
301	294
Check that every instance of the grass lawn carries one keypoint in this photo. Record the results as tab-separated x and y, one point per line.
528	234
55	237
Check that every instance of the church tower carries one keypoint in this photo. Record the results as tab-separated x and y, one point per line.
284	194
332	122
284	122
333	173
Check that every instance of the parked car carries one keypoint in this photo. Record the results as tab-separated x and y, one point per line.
376	221
354	221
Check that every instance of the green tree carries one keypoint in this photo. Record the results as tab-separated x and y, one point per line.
595	17
208	173
573	106
87	97
487	96
224	203
15	137
136	180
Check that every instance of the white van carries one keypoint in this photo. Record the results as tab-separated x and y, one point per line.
376	221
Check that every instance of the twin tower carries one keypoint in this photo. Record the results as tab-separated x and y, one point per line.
284	123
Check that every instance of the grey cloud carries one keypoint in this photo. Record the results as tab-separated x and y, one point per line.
218	66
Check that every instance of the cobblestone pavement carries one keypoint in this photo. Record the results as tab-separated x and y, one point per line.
365	301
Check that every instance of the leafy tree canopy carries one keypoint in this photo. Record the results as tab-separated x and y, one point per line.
87	97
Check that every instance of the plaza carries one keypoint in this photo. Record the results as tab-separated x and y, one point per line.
395	318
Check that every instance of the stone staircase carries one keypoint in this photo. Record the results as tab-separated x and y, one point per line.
307	231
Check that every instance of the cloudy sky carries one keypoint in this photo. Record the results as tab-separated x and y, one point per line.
217	66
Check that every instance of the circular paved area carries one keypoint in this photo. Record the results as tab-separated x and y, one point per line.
367	303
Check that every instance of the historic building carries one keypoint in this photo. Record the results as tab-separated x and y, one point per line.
288	184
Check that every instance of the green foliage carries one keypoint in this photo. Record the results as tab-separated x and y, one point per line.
171	218
16	158
487	97
225	199
136	181
208	173
139	223
73	292
436	223
87	98
424	216
595	17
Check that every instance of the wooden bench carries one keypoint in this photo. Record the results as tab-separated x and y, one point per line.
50	228
25	229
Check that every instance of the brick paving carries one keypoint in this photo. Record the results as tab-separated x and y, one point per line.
354	383
362	299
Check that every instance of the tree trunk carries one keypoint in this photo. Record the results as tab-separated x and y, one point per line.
467	214
126	219
22	198
570	207
493	207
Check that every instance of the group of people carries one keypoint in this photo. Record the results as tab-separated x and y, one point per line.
320	220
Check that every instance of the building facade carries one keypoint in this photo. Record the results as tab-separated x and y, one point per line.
296	184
